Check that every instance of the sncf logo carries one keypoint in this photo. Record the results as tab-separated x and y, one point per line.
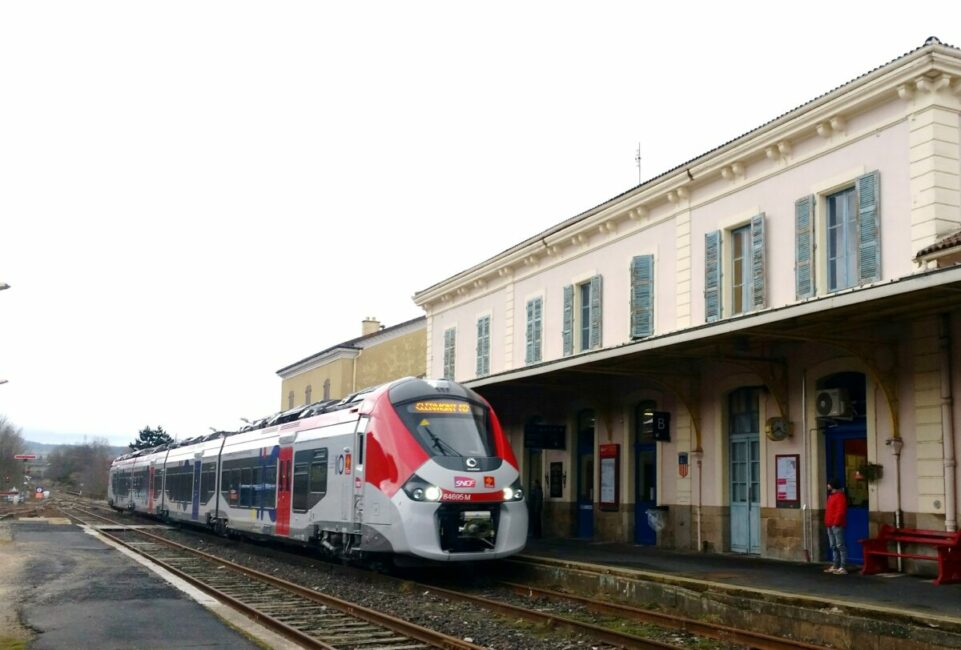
464	482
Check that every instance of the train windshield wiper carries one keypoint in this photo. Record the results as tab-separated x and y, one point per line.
442	446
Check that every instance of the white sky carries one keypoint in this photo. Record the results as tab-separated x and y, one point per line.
196	194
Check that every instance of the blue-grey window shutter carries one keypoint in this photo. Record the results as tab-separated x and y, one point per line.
712	276
568	330
804	246
449	341
757	261
642	296
529	352
869	241
483	346
533	354
596	311
538	315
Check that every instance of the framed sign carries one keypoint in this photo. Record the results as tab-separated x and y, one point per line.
786	480
556	481
610	485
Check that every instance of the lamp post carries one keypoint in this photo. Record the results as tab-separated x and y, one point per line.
245	420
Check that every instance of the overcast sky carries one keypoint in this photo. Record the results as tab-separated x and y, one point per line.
196	194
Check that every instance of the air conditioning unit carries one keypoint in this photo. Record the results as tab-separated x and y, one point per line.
832	403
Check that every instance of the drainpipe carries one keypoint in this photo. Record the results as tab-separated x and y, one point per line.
803	485
699	457
947	425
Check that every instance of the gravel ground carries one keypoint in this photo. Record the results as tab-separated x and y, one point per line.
405	600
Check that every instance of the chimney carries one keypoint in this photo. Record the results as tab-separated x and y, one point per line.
369	325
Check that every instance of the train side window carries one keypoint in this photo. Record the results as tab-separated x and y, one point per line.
301	484
207	478
246	487
318	477
269	495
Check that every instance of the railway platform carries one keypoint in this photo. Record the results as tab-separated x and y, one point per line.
798	585
63	587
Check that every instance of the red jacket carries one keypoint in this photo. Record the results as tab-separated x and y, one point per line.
836	512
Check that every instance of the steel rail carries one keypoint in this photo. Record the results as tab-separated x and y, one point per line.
612	637
754	640
400	626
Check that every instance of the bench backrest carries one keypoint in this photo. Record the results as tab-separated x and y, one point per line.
919	536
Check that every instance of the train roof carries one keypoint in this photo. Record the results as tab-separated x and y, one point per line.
399	390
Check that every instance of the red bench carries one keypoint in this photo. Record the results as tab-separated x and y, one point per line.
947	545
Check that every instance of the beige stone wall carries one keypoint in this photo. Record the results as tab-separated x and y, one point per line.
782	536
339	372
715	529
614	526
402	356
558	518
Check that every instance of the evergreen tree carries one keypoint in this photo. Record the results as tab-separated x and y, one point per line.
150	438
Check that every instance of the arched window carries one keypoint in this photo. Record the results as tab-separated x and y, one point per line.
307	392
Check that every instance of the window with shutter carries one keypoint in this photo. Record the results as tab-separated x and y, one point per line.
642	296
869	242
712	276
534	311
483	346
804	247
449	342
567	331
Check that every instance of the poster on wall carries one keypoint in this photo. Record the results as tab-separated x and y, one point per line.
556	480
786	480
610	490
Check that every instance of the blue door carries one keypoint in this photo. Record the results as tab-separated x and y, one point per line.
585	474
645	491
745	471
846	450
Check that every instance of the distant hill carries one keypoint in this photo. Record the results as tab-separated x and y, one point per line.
43	448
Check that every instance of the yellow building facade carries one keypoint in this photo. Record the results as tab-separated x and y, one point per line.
380	354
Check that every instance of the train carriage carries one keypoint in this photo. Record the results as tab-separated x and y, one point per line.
414	468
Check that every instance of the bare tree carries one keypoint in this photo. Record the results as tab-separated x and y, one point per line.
11	444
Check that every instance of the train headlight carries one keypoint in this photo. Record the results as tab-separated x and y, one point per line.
515	492
420	490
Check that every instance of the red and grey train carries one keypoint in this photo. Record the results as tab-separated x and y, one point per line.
418	469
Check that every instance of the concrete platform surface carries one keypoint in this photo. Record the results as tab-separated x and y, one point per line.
71	590
900	593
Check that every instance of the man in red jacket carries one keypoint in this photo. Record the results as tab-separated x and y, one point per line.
835	518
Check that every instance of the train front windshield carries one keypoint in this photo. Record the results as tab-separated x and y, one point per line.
449	427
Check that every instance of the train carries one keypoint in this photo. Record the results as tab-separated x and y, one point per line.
415	469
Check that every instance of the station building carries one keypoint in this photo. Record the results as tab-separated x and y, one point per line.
380	354
688	363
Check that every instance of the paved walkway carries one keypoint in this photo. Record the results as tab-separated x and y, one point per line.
896	592
72	590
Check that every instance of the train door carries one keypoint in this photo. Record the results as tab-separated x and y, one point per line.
285	468
357	483
195	493
151	473
585	473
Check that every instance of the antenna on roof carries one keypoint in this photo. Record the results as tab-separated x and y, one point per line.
637	160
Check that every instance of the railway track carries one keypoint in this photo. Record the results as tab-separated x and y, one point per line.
306	617
612	625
